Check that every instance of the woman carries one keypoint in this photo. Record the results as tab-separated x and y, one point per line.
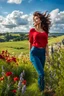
38	38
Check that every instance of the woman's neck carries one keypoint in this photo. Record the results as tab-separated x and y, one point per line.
39	29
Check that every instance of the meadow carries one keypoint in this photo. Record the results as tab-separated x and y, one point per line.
15	67
23	46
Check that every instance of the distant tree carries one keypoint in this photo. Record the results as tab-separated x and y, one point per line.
22	36
2	40
8	36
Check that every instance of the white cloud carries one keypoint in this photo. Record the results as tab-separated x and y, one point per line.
16	18
1	19
57	18
54	14
14	1
16	21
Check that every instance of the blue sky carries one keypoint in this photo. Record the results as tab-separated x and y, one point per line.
16	15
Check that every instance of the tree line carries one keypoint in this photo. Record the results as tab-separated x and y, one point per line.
13	37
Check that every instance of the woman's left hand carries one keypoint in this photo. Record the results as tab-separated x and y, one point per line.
47	58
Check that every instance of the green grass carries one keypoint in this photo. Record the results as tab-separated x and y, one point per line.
23	46
53	40
31	75
16	47
1	37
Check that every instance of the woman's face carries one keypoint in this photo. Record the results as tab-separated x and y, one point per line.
36	20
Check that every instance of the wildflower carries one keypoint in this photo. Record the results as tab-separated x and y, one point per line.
14	91
14	59
8	60
23	89
6	52
19	84
1	57
16	79
22	73
24	82
8	73
2	68
3	52
3	73
1	78
21	79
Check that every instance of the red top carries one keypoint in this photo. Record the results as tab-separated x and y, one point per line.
38	39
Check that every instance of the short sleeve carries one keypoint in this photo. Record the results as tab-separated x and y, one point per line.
46	38
31	35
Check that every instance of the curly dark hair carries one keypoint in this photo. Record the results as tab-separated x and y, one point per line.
45	18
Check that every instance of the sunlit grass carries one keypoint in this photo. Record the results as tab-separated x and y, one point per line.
55	39
23	46
16	47
24	64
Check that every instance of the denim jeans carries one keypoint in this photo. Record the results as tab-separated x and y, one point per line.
37	57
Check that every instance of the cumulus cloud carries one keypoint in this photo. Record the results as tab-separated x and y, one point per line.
1	19
57	18
54	15
16	18
17	21
14	1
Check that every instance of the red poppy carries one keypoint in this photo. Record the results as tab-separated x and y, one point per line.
3	52
1	57
24	82
14	91
13	59
8	73
2	78
6	52
8	60
16	79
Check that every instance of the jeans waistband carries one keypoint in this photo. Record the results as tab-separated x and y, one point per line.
38	47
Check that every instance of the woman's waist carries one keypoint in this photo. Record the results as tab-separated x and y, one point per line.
40	47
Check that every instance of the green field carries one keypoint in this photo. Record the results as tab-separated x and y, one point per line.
17	47
23	46
54	70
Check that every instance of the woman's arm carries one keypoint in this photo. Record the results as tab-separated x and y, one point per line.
30	46
47	50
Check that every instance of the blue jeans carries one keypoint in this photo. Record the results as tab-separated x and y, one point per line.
37	57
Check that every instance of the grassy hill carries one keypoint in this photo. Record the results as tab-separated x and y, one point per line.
23	46
54	70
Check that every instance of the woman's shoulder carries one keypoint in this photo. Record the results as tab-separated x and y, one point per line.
32	30
46	34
